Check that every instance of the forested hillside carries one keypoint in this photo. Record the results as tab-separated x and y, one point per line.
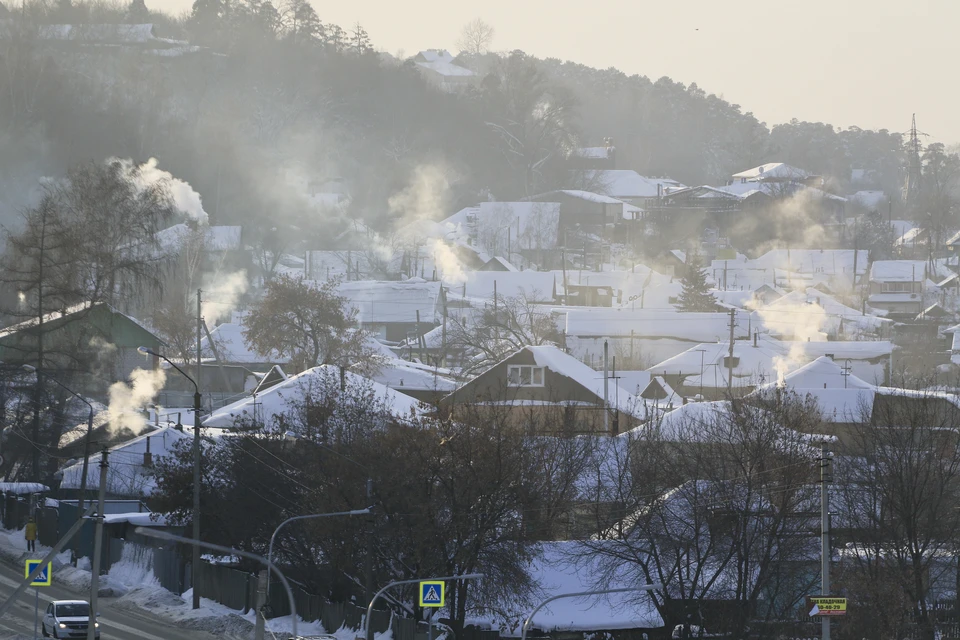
263	92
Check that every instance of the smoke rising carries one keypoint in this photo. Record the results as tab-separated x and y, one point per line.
126	400
425	197
184	197
797	321
221	294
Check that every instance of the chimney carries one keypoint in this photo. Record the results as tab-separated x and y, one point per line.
756	334
147	456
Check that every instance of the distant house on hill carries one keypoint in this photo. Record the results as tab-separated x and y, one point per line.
624	184
438	67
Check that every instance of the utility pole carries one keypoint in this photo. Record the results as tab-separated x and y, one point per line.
733	317
261	602
826	477
97	549
368	558
195	563
606	412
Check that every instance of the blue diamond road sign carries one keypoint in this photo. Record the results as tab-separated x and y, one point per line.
431	594
44	578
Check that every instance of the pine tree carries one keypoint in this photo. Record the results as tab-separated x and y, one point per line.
696	295
360	40
137	12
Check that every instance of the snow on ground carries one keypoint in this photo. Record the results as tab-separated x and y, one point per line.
132	582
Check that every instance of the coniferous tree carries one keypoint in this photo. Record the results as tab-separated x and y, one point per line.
137	12
696	295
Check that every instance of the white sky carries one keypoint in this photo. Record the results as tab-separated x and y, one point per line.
871	63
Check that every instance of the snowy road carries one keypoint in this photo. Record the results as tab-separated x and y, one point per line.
115	624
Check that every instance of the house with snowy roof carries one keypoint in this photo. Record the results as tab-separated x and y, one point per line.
437	66
898	287
326	389
847	403
626	185
83	338
394	311
706	369
644	336
544	390
595	158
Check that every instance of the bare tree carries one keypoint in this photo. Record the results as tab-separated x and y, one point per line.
475	38
486	336
717	503
900	495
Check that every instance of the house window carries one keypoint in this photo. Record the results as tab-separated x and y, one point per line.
524	376
897	287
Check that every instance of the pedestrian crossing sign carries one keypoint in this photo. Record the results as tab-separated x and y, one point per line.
44	578
431	594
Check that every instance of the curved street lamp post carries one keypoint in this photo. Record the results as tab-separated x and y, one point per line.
195	563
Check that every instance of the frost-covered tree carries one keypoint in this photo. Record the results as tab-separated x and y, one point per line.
695	295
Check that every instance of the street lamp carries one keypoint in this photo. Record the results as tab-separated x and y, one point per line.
368	635
195	564
355	512
526	623
86	439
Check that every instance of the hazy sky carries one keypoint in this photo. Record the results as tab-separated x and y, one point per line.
871	63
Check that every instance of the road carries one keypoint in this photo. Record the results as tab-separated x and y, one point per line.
115	624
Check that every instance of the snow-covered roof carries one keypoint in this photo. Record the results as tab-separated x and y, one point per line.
564	364
400	375
625	183
380	302
509	284
589	196
434	55
232	347
23	488
126	474
772	170
138	519
287	396
840	395
760	364
898	271
446	69
823	373
69	311
650	324
215	238
909	237
594	153
100	33
825	261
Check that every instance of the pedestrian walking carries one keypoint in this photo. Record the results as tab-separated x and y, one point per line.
30	534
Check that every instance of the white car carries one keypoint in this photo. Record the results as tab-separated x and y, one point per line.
67	619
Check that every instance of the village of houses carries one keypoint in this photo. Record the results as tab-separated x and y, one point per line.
822	319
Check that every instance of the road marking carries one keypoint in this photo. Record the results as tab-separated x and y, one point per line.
104	622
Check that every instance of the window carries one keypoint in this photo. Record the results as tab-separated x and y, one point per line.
524	376
897	287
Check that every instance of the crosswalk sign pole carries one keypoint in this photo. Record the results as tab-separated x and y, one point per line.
36	610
